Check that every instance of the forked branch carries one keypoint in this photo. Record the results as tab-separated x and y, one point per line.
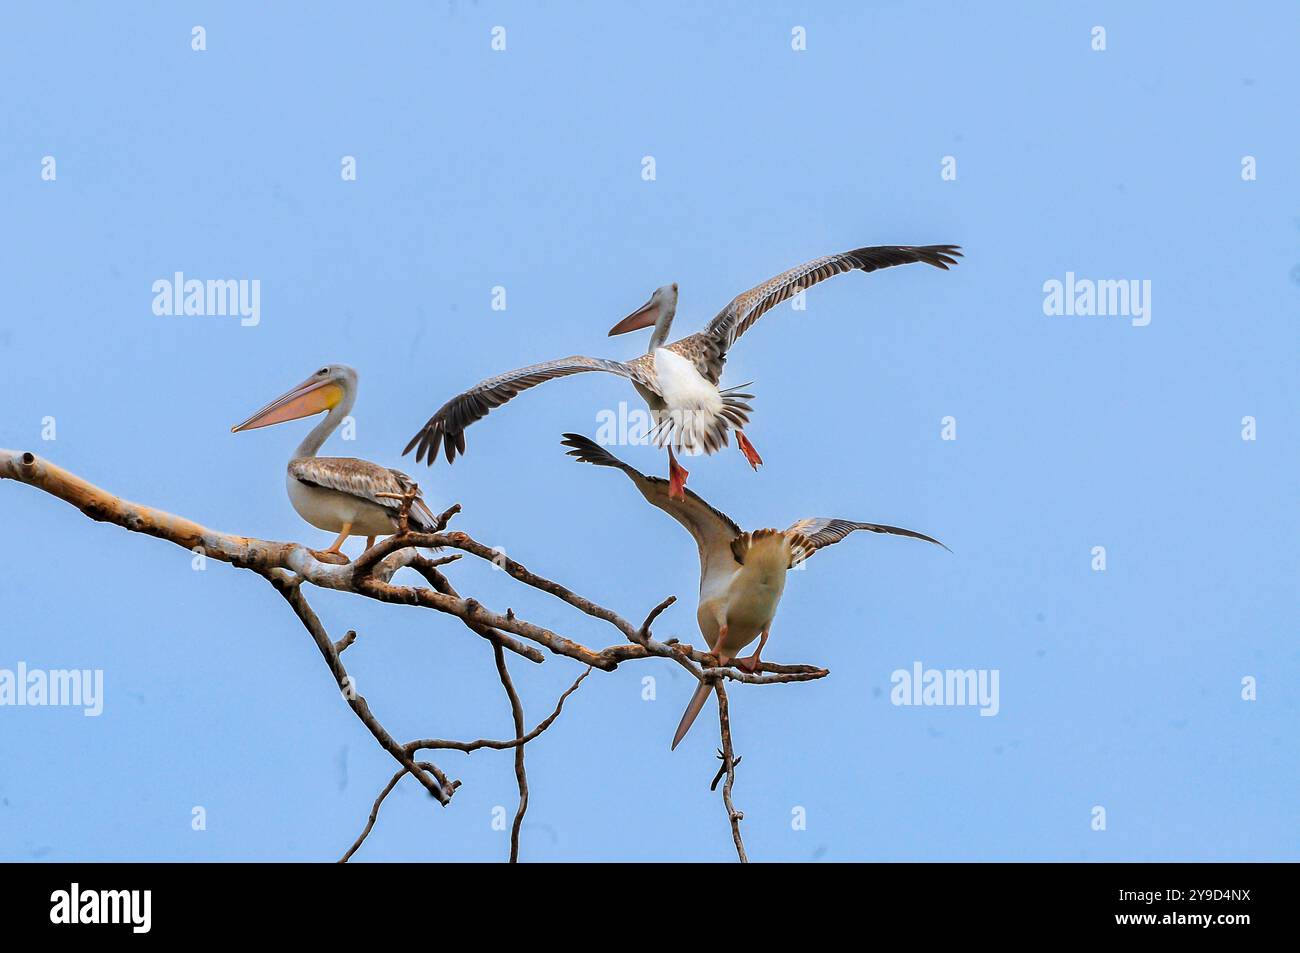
288	566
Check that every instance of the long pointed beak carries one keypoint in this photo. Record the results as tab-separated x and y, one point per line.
642	317
309	397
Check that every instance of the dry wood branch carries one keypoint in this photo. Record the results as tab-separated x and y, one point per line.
729	766
468	746
434	780
428	568
374	811
288	566
521	775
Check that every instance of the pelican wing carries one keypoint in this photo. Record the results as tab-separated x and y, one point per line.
447	426
713	530
809	535
710	350
363	479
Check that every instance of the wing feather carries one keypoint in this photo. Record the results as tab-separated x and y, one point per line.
746	308
363	479
809	535
447	426
712	529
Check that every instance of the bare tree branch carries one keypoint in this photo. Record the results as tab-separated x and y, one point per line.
288	566
434	780
729	766
466	746
521	776
374	811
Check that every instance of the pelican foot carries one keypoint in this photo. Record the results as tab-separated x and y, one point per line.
330	556
722	770
677	475
749	664
748	450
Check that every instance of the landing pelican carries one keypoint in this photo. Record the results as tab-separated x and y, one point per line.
742	574
340	494
679	381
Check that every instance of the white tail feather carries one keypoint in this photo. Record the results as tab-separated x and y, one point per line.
697	415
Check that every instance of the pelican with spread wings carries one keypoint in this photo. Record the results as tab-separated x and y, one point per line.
742	574
344	495
679	381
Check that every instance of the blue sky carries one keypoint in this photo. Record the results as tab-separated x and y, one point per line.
523	169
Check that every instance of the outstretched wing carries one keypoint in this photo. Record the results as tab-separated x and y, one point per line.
365	480
712	529
447	426
738	316
809	535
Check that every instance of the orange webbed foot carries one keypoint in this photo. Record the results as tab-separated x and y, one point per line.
748	450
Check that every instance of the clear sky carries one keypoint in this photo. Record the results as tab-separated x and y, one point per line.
523	168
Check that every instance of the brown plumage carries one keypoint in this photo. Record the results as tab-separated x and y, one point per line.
742	574
365	480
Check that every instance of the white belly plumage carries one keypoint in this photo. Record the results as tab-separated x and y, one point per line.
691	404
331	510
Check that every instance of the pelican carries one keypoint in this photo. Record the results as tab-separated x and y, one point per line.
679	381
340	494
742	574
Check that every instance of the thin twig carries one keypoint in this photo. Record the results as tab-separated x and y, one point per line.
521	775
468	746
374	811
433	779
729	765
428	568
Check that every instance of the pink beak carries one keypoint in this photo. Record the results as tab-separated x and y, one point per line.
642	317
310	397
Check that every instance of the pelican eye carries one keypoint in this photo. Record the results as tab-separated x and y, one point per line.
323	371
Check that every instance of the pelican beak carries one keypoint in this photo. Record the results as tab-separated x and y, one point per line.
310	397
642	317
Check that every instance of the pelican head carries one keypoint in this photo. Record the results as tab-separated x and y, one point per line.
659	311
332	386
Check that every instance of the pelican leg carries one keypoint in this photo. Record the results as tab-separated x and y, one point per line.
343	538
748	450
722	657
677	475
751	663
370	541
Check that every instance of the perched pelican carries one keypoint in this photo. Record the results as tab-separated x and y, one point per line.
679	381
339	494
742	575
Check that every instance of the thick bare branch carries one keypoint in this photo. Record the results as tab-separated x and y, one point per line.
379	563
